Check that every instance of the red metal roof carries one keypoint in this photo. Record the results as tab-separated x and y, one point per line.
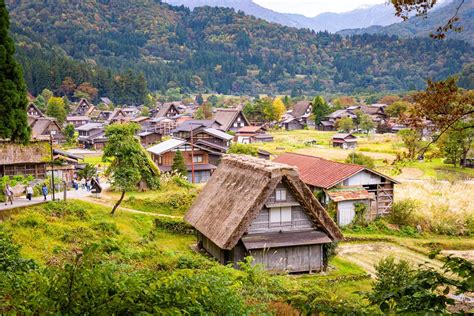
348	194
317	171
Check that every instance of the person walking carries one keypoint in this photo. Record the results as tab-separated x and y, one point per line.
44	190
8	194
29	192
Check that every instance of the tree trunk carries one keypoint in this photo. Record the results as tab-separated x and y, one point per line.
118	203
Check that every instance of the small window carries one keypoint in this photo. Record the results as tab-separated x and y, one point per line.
280	215
235	124
238	119
198	159
280	195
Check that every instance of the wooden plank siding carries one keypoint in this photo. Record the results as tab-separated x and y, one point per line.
167	158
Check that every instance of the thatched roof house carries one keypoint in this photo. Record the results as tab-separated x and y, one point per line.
250	205
17	159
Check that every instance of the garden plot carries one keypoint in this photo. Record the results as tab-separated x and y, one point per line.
367	255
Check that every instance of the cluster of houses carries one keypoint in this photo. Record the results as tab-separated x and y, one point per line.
274	211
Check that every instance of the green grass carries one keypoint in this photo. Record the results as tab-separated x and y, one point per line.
95	160
46	236
438	170
170	199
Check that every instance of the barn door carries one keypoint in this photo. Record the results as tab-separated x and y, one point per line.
298	259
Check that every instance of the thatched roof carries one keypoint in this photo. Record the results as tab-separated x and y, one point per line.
238	190
34	152
227	117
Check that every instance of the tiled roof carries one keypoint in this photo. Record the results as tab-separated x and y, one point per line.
249	129
317	171
348	194
90	126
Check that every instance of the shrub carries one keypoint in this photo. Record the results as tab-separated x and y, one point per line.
175	226
64	209
30	220
360	159
106	227
403	212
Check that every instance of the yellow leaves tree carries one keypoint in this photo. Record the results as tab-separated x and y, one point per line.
278	108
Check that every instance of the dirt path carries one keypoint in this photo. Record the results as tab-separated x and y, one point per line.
367	255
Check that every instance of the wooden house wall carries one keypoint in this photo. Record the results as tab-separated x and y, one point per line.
292	259
238	123
214	250
293	125
167	158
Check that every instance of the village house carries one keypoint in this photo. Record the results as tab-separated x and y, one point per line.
148	138
168	109
253	134
329	122
253	207
83	108
205	133
92	136
43	127
24	160
197	158
34	111
117	116
131	111
344	185
78	120
344	141
291	123
302	110
162	125
230	119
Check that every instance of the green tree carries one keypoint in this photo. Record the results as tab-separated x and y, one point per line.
320	109
199	99
47	94
412	141
40	103
345	124
456	144
213	100
56	109
88	172
130	164
145	112
360	159
243	149
70	133
397	109
366	124
179	164
13	101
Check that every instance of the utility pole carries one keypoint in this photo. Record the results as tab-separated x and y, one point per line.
192	155
51	134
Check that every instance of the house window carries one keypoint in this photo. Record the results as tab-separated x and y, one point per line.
236	125
197	159
280	215
238	119
280	195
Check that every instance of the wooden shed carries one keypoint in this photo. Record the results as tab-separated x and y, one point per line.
255	207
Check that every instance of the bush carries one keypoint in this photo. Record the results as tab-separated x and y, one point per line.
30	220
64	209
175	226
403	212
360	159
107	227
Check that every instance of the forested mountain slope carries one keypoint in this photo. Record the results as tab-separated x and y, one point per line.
381	14
418	26
213	49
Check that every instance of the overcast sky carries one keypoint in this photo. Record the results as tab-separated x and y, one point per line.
314	7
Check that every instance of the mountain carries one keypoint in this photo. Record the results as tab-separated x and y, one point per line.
110	43
421	27
381	14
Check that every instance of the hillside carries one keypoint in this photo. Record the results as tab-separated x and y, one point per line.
421	27
214	49
332	22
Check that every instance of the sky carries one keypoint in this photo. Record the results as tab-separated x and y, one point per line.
312	8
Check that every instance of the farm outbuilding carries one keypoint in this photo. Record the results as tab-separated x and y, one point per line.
344	141
344	185
255	207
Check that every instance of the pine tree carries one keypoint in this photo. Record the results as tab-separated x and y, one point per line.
320	109
13	101
179	164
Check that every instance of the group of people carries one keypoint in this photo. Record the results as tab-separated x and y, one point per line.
86	184
10	195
